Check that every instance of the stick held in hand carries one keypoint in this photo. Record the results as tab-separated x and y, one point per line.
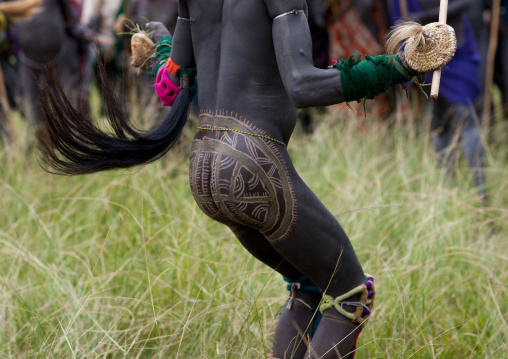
436	78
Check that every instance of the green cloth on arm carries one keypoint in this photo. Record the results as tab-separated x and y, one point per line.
162	53
192	71
372	77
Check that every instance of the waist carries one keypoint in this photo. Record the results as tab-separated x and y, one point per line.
225	121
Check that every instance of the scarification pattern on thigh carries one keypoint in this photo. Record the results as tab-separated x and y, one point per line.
241	179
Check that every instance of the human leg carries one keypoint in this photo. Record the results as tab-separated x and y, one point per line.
31	80
237	178
294	331
472	147
297	317
319	248
441	125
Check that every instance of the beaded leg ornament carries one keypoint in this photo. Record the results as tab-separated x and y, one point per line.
363	306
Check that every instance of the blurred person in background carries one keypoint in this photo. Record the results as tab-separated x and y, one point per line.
9	63
52	38
454	111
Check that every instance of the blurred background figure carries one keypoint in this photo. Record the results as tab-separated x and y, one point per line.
165	11
100	17
454	113
360	25
501	65
337	27
10	72
52	37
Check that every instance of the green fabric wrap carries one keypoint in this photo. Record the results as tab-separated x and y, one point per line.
191	71
372	77
162	53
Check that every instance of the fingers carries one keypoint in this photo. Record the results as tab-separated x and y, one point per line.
157	30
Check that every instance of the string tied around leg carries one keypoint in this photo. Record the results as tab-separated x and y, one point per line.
293	287
363	305
300	284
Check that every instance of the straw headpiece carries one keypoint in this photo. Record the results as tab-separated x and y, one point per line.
427	48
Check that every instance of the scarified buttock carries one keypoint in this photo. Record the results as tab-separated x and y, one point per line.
237	178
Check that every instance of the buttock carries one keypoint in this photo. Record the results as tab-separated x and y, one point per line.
238	176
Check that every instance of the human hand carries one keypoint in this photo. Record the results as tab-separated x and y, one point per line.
157	30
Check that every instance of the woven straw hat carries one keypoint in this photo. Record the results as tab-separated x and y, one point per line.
142	49
431	48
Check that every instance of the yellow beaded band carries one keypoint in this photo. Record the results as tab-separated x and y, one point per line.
242	132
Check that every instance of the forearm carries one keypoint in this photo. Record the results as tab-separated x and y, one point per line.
183	53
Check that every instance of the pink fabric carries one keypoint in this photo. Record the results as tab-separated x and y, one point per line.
165	88
356	342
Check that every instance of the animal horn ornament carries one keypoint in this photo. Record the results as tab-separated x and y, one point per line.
427	48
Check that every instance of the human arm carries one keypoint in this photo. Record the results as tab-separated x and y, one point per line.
183	52
307	85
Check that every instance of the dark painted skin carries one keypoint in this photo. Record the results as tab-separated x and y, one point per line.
42	39
261	69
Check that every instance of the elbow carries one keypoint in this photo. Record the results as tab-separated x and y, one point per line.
307	96
299	93
299	99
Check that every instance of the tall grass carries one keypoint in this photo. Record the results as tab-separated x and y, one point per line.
124	265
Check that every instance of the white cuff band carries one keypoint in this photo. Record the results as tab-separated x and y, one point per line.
292	12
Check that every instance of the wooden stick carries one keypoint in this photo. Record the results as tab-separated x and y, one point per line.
491	57
436	78
403	10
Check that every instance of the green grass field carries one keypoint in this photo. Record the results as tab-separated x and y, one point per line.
124	265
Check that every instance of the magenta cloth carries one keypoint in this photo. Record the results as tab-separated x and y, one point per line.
165	88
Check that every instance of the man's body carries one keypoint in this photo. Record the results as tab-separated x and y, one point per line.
254	70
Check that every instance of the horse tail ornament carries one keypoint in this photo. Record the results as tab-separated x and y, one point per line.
72	144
